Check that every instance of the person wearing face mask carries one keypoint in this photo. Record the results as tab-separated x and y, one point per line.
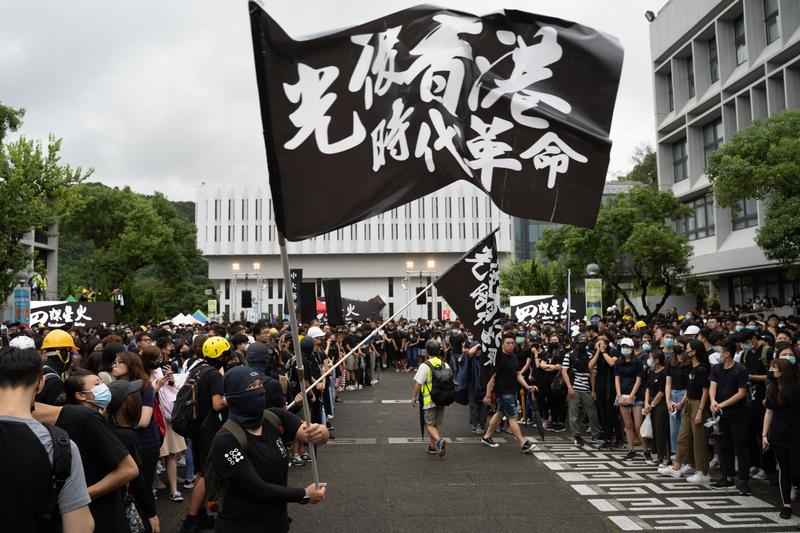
249	455
576	369
551	402
756	365
655	405
33	447
629	379
107	464
57	348
781	431
667	342
675	391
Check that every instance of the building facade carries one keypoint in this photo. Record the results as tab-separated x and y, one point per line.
43	246
389	255
719	65
528	232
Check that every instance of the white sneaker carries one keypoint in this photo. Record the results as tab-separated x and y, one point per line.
760	475
350	387
374	381
663	469
699	479
714	463
687	470
753	470
669	472
360	386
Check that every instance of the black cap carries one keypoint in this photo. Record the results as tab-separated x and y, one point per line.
257	356
120	390
238	378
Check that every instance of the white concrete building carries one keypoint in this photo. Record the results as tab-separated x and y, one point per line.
718	65
388	255
43	246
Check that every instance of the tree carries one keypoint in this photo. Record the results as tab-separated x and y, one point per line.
633	242
33	189
530	277
763	162
141	244
645	167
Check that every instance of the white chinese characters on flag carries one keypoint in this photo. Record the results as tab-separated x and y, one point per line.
380	114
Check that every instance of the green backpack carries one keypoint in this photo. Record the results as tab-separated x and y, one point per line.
216	487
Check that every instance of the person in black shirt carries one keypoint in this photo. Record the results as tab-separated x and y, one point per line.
629	376
728	393
756	361
675	390
604	390
655	402
107	464
504	383
58	347
551	403
256	494
781	430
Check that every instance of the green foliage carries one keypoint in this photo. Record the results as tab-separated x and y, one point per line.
530	277
116	238
763	162
645	167
633	242
34	188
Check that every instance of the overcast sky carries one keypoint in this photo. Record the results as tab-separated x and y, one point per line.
162	95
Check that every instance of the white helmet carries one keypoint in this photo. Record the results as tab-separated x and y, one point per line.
314	332
22	342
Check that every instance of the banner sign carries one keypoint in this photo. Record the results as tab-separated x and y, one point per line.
22	304
544	308
472	288
358	310
594	297
520	105
69	314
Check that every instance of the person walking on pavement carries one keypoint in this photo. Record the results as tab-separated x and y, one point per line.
504	383
433	414
576	370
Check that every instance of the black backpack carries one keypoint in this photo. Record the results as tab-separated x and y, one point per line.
216	487
185	411
60	470
443	384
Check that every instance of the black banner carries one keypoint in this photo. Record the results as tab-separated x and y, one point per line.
308	301
333	301
381	114
296	279
73	314
545	308
359	310
472	288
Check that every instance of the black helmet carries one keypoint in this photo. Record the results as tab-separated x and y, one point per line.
433	348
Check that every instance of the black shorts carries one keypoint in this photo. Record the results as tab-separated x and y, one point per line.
201	448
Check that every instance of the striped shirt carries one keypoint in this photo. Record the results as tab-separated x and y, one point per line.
580	380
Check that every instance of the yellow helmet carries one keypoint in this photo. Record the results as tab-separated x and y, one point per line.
640	324
58	338
215	346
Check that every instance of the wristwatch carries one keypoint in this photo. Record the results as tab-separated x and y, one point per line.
306	498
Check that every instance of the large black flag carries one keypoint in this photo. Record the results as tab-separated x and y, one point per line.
333	301
472	288
381	114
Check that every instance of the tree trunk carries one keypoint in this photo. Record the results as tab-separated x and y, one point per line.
625	297
644	299
667	294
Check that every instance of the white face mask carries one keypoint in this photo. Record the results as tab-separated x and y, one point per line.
626	350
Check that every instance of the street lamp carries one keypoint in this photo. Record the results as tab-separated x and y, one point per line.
256	266
431	264
409	265
235	267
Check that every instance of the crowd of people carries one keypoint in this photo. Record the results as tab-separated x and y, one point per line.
701	395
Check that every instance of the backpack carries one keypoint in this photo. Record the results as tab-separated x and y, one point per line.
216	487
60	470
443	384
185	412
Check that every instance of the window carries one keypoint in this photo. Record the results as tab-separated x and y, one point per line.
216	233
244	209
745	215
216	209
368	231
670	93
391	289
391	308
699	224
679	161
227	289
771	20
690	75
269	288
435	208
474	206
230	233
244	233
712	138
422	231
280	288
270	209
713	59
739	40
353	232
230	209
435	230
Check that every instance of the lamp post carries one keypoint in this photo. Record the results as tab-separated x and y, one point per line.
593	290
431	265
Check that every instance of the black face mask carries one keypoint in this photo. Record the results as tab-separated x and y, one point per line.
216	363
771	376
247	408
553	345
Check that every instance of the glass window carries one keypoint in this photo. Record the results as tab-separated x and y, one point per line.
391	288
679	161
670	93
746	214
712	138
700	223
269	288
739	40
772	20
713	59
690	75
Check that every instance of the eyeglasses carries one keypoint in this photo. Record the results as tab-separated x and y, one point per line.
117	363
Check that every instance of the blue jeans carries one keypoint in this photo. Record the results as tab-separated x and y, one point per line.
507	404
189	461
411	357
675	420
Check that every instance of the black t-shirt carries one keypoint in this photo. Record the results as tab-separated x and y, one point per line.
679	376
210	384
729	381
101	452
52	389
785	427
457	342
505	378
696	381
656	381
247	509
751	359
627	373
604	371
352	341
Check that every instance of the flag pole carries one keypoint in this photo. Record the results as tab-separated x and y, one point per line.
569	300
298	355
364	340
